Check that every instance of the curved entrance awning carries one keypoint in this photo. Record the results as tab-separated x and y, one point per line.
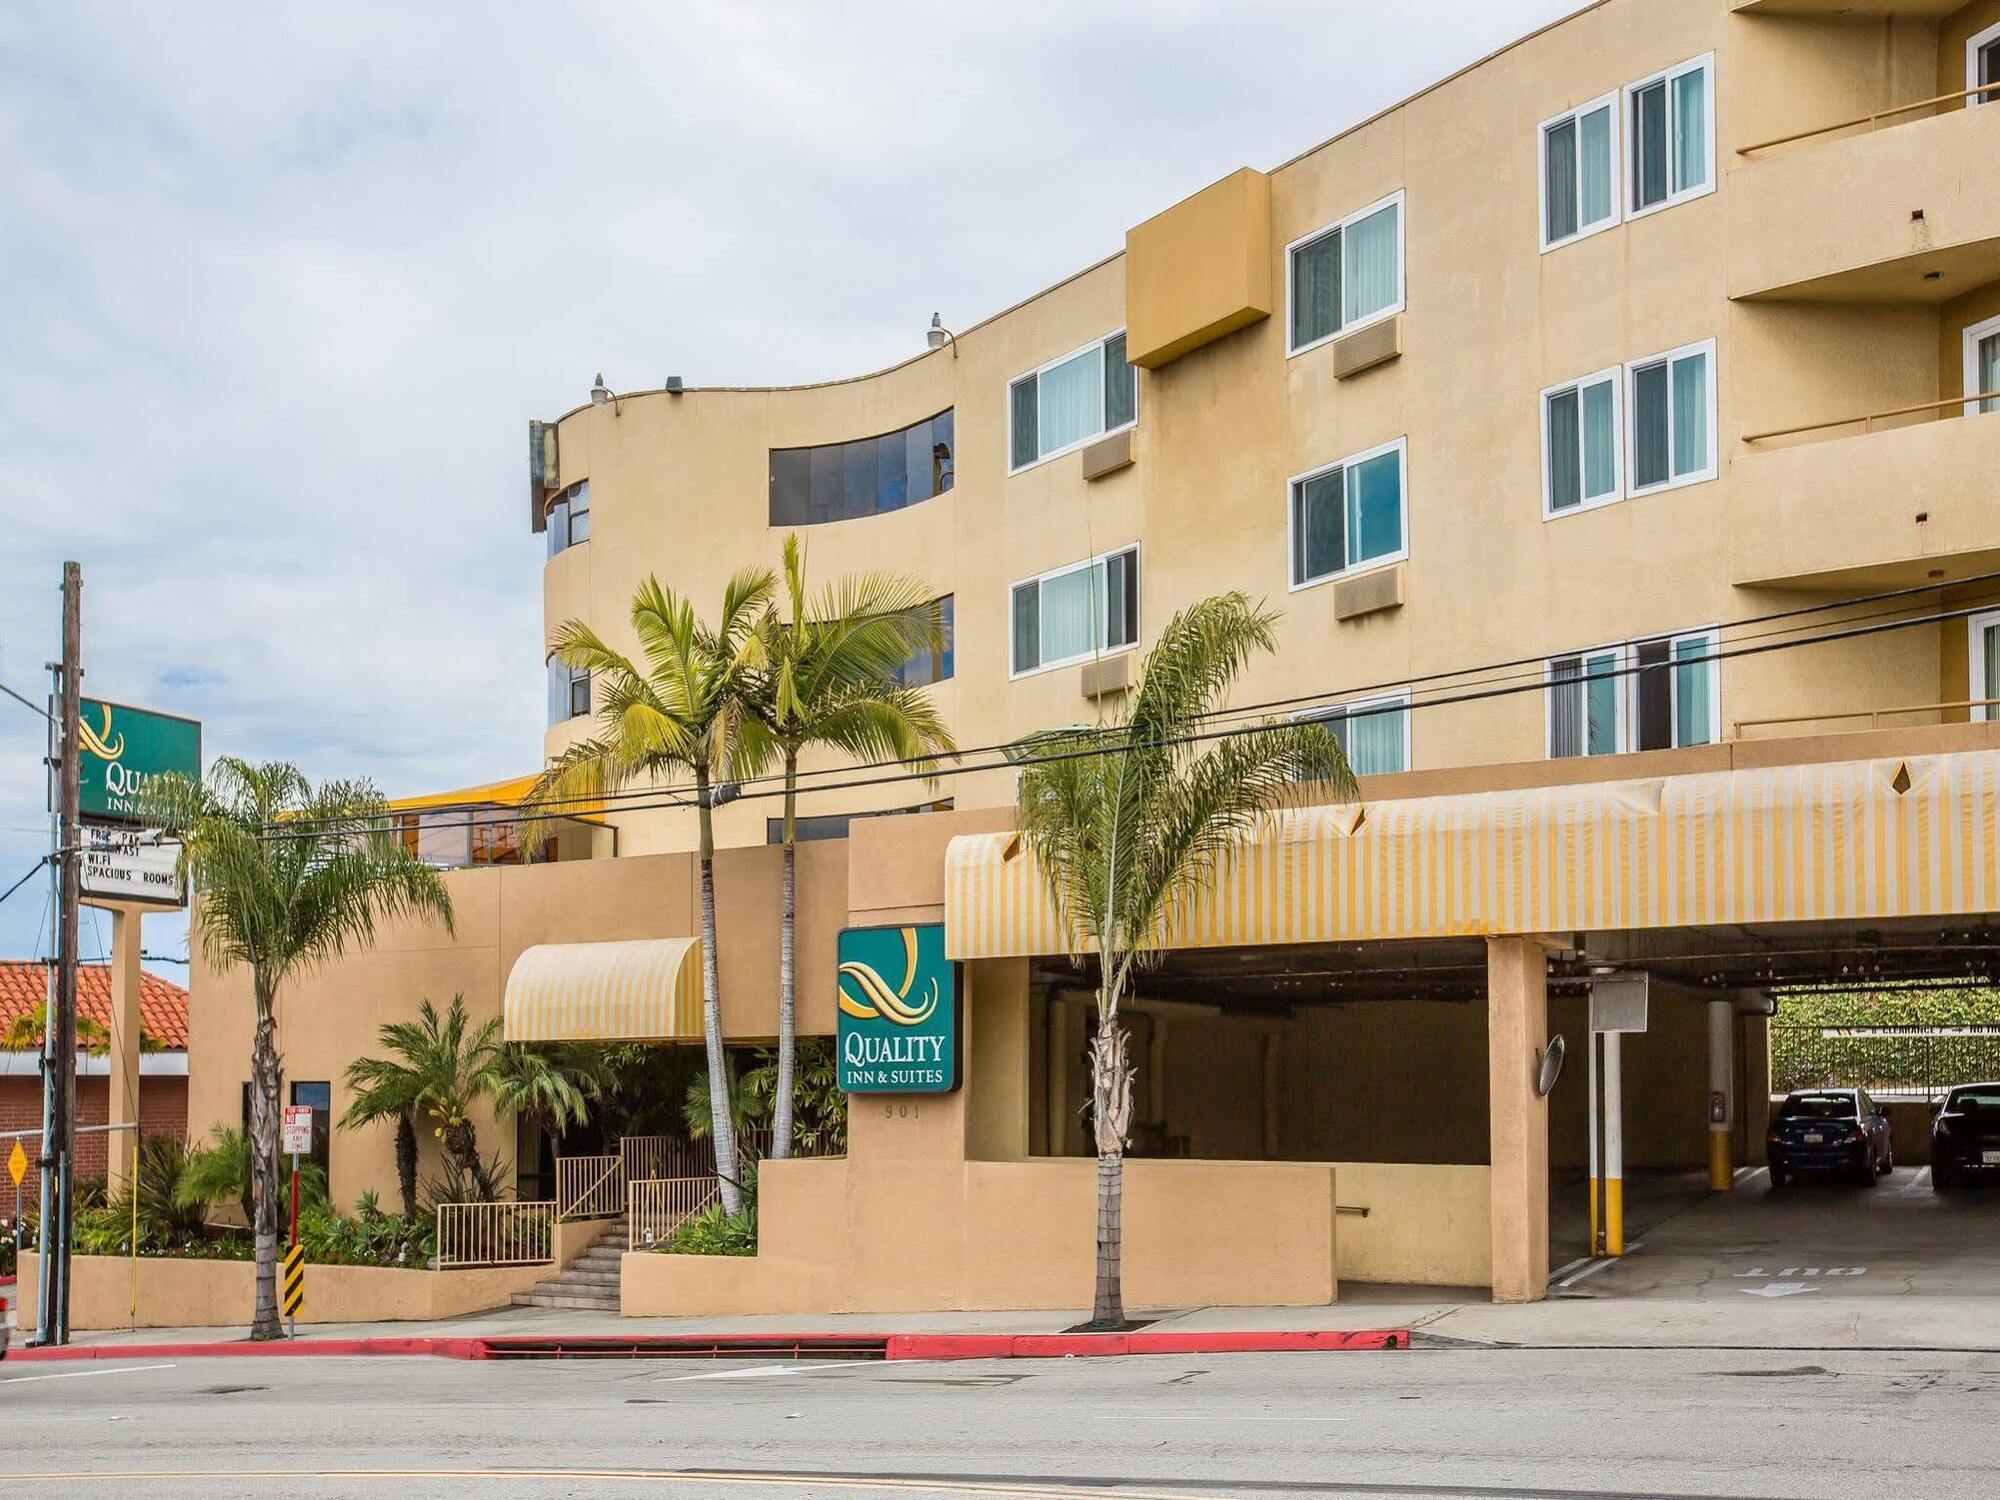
648	990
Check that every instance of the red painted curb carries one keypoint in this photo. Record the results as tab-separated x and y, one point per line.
1100	1345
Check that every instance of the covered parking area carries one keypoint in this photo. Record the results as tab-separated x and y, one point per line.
1375	985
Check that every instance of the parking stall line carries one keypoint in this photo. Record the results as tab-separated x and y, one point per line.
80	1374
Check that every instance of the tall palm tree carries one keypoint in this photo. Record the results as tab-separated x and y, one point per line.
683	711
1131	823
833	681
287	877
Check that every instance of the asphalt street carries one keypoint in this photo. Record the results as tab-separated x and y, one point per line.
1444	1422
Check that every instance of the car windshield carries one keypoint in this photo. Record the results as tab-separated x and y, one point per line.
1969	1101
1818	1107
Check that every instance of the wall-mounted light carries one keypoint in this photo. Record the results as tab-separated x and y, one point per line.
600	392
937	335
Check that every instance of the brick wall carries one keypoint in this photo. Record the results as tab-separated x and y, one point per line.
162	1110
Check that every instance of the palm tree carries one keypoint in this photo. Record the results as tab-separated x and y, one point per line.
287	877
437	1066
1131	823
551	1087
833	681
684	711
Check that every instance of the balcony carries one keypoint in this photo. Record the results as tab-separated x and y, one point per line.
1908	212
1869	509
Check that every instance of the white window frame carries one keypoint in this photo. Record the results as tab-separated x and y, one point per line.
1082	442
1397	700
1974	336
1975	657
1627	683
1615	103
1974	45
1708	471
1402	283
1014	673
1616	375
1667	76
1399	446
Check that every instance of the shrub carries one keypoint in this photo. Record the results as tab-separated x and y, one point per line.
713	1232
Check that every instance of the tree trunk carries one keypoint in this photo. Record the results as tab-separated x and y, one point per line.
1111	1117
406	1164
461	1140
723	1128
264	1197
788	1017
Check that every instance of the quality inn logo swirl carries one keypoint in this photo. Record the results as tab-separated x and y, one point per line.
878	999
98	741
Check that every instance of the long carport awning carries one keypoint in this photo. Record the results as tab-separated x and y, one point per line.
1899	837
647	990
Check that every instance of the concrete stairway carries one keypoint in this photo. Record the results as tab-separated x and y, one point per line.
589	1281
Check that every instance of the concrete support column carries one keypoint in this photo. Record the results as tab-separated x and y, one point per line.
123	1084
1517	1028
1614	1144
1057	1070
1273	1093
1721	1093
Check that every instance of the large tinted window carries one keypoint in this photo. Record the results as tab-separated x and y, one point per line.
839	481
1818	1107
923	668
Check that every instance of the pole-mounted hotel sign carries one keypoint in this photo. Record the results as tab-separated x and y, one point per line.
125	748
898	1011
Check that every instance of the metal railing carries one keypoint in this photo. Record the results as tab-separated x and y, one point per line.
1926	1061
495	1234
1874	716
590	1187
1868	419
656	1208
1870	120
642	1156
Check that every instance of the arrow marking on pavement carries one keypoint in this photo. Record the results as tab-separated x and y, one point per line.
1776	1289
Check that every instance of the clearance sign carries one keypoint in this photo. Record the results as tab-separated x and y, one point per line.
124	748
898	1011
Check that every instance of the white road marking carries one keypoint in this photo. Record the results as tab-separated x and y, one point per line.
760	1370
78	1374
1921	1178
1201	1416
1559	1271
1776	1289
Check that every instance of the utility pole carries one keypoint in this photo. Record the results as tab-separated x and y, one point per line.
53	1299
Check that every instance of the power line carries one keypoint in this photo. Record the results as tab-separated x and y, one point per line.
648	798
1109	742
27	703
33	870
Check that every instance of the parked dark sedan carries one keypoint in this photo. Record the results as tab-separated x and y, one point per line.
1965	1136
1829	1130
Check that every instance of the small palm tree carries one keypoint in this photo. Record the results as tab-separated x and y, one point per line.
552	1088
287	878
24	1034
833	682
220	1171
1131	823
684	710
437	1067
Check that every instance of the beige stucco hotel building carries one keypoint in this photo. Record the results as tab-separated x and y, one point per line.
1547	405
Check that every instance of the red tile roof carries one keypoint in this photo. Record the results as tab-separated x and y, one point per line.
163	1006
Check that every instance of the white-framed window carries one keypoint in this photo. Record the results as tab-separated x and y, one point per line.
1349	515
1067	402
1582	447
1984	659
1579	172
1345	275
1374	733
1670	136
568	517
1982	64
569	692
1982	363
1659	693
1670	419
1073	613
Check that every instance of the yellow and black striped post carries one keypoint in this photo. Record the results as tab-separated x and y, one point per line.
294	1289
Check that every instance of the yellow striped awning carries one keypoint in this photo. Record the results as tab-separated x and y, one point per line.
643	991
1855	839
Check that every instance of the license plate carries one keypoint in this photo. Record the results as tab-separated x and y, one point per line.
1813	1138
1989	1158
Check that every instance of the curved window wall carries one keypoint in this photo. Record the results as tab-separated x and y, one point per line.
569	693
840	481
569	517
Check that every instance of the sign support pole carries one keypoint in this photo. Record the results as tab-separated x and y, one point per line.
59	1027
295	1228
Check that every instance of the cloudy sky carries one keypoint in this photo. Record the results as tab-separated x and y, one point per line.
285	283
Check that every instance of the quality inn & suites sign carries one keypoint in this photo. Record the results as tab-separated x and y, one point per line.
125	748
897	1029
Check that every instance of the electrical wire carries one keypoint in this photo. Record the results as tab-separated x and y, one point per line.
33	870
33	707
1112	744
648	798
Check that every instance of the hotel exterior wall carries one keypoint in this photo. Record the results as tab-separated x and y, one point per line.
1491	322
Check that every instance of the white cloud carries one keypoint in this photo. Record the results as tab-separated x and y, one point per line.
285	283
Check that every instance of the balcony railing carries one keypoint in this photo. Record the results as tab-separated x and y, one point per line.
1867	420
1874	716
654	1210
495	1234
1872	121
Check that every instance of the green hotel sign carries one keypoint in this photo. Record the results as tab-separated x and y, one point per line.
123	748
898	1011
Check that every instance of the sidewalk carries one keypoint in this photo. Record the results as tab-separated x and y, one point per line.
1446	1320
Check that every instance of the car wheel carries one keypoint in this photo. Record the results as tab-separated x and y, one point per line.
1865	1174
1888	1162
1940	1180
1779	1177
